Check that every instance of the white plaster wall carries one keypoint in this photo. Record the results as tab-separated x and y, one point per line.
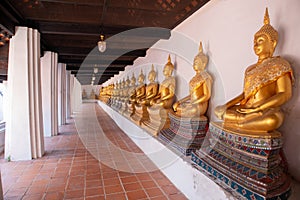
226	28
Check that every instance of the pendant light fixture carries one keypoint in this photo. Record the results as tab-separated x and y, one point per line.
102	42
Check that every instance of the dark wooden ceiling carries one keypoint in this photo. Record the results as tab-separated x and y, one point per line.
72	28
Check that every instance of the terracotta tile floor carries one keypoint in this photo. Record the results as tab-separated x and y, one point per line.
69	171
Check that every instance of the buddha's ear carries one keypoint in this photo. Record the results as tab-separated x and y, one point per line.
274	44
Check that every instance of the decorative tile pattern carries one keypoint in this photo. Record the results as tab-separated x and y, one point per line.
248	167
184	135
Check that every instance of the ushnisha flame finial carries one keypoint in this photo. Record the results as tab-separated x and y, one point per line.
200	48
267	28
266	18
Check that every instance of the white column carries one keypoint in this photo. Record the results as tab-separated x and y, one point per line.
64	93
55	94
72	94
24	122
68	95
49	89
61	94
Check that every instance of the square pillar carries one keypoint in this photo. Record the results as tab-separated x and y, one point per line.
49	91
68	95
24	122
61	94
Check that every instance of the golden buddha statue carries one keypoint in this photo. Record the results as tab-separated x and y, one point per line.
267	86
141	88
140	94
116	94
131	91
124	99
131	97
166	94
162	103
141	113
151	88
195	104
127	86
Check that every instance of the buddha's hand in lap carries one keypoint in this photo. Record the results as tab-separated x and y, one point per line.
220	110
248	110
175	106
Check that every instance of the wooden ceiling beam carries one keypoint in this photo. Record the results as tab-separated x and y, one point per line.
92	66
80	29
9	16
91	74
138	53
96	62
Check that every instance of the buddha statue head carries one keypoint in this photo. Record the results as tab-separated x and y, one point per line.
169	67
265	39
152	74
133	80
127	82
141	77
123	83
200	60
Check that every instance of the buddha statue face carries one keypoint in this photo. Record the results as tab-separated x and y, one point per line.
127	82
133	81
264	46
141	78
200	63
152	76
168	69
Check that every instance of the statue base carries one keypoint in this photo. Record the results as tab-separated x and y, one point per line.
116	105
185	135
123	107
249	165
158	120
104	99
140	114
129	111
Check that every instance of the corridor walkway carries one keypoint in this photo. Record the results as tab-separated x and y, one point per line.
71	171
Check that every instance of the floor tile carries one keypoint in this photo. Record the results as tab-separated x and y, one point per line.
69	171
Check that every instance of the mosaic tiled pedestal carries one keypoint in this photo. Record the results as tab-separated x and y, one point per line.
123	107
158	120
140	114
184	134
116	104
250	166
129	111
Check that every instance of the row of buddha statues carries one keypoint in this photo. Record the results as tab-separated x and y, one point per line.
267	85
143	103
255	113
